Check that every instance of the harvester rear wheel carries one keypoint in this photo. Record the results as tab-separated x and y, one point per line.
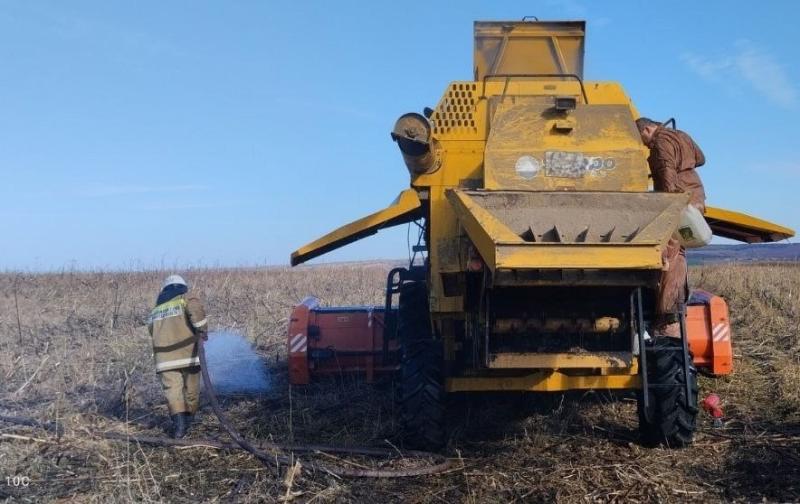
421	393
672	415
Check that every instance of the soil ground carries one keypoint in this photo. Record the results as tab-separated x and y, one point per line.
74	349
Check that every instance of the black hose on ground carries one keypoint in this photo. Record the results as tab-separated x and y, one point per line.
267	459
271	460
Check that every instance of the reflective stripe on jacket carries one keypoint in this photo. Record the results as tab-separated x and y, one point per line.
174	326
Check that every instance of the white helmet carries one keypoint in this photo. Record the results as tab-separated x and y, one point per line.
173	279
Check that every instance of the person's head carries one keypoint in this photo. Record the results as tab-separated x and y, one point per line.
174	285
647	127
173	280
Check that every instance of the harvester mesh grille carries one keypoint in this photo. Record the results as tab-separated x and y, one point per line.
453	115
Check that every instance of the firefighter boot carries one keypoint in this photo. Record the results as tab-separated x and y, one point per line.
178	426
188	420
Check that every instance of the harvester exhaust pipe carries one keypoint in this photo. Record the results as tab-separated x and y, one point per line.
412	132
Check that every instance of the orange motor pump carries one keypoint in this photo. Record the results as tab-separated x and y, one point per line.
338	340
708	331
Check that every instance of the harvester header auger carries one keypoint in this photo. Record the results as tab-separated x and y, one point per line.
543	241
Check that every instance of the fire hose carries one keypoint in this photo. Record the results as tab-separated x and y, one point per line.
271	460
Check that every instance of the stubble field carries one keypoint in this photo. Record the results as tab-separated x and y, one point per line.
74	350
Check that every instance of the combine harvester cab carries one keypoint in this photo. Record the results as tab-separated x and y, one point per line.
543	243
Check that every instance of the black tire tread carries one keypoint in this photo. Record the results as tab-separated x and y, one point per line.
673	419
421	392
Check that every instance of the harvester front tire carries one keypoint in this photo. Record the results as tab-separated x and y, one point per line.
672	416
421	394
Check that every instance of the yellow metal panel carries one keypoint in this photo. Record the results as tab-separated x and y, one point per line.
578	255
458	116
466	155
661	228
466	208
480	225
560	360
404	209
608	93
543	381
513	47
443	251
486	216
743	227
463	112
592	148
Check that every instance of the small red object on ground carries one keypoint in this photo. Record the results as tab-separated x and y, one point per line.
711	404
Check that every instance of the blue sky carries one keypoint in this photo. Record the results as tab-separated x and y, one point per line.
230	133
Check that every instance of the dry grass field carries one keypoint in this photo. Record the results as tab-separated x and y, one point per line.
74	349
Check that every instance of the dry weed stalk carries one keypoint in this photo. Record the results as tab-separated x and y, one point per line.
84	332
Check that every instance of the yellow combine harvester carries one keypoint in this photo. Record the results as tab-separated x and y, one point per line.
541	240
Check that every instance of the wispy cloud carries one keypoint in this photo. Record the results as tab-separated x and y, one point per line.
106	190
765	73
750	64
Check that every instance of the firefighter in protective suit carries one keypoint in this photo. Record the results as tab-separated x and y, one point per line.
673	160
176	323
